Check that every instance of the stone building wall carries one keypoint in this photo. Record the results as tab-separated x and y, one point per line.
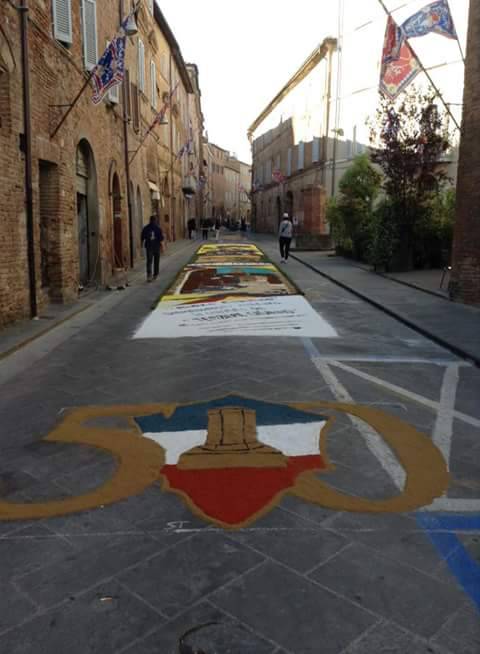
83	231
465	283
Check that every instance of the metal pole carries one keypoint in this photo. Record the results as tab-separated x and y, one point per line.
27	128
172	173
73	104
434	86
127	162
341	16
327	118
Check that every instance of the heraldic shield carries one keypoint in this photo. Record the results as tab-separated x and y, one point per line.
231	460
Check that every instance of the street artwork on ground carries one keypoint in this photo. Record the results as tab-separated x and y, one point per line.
232	289
231	460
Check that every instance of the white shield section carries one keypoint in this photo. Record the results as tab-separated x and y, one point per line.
301	439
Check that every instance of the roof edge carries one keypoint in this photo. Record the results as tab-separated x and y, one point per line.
327	45
174	47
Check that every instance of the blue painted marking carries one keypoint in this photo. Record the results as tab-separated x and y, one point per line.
440	529
196	416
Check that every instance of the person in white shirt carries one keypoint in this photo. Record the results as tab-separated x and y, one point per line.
285	235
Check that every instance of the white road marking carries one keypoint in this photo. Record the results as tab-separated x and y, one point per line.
374	441
432	404
454	505
442	434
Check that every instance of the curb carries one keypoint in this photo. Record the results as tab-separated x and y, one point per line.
135	275
403	283
458	351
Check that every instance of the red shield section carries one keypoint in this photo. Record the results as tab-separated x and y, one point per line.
234	496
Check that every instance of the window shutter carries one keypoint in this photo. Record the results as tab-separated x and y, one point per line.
289	162
114	94
316	150
89	16
153	82
135	107
301	155
150	5
128	101
62	20
141	65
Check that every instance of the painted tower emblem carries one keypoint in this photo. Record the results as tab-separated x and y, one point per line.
232	459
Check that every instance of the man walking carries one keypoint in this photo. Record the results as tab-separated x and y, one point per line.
285	234
205	228
191	227
152	237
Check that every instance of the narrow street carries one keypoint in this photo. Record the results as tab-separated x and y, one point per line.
310	493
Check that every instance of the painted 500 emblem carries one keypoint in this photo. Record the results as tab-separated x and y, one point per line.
232	459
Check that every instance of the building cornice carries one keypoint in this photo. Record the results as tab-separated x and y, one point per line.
174	48
320	52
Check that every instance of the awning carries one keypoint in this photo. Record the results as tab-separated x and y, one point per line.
154	190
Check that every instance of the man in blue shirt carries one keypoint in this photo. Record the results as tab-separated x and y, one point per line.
152	237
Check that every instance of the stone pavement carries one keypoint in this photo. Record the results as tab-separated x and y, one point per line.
455	325
132	577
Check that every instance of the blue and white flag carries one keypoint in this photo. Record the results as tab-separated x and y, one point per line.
435	17
110	69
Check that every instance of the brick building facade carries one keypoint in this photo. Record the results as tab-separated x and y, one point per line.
290	148
86	218
465	282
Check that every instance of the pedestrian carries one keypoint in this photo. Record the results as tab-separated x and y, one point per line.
218	224
285	234
152	237
205	227
191	225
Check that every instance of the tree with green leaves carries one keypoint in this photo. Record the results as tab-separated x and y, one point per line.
409	137
350	214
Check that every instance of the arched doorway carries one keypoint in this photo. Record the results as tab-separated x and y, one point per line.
87	214
289	203
117	223
279	211
133	225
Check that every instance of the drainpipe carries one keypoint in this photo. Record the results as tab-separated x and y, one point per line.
327	118
172	230
127	156
27	128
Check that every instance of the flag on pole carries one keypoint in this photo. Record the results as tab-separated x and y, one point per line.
110	69
435	17
159	117
399	65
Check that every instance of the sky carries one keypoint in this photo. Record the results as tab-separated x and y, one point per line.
246	51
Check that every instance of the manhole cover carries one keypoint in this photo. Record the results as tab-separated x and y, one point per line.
217	638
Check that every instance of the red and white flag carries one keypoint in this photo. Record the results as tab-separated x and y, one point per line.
399	65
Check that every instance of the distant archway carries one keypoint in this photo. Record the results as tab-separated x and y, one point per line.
117	223
87	214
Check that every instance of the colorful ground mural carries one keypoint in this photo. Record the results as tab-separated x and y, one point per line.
233	289
232	460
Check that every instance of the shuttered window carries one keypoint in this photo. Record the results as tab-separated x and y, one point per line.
135	107
316	150
150	5
141	65
301	155
62	20
289	162
128	101
89	23
153	84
